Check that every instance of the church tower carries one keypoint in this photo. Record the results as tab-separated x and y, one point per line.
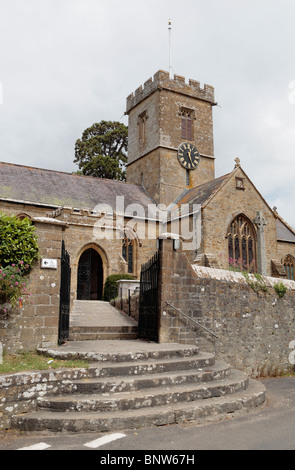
170	137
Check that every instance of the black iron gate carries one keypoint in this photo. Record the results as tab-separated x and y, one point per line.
64	306
148	302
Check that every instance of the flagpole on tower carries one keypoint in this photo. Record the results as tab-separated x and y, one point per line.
170	61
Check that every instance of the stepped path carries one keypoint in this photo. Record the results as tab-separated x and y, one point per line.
91	320
134	383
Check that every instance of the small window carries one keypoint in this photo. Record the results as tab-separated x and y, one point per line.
240	183
289	265
142	118
187	123
128	252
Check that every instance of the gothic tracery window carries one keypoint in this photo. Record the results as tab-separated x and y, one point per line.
241	244
289	266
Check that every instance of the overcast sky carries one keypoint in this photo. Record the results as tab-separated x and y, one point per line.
65	64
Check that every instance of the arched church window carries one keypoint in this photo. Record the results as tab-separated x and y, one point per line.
289	266
241	244
23	216
128	252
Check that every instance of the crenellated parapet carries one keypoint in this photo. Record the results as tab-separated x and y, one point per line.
162	81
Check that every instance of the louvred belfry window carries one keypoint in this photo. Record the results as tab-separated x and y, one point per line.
187	124
242	244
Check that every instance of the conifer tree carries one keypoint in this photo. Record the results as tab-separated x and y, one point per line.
102	150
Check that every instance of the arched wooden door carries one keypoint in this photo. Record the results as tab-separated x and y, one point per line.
90	276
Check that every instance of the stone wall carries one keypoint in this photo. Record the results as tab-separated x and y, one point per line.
128	306
36	323
284	249
128	298
254	329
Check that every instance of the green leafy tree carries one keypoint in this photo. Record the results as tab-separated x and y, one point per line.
102	150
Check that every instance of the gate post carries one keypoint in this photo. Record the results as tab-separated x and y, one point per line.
148	303
170	256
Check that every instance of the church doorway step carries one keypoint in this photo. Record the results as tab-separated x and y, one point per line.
90	276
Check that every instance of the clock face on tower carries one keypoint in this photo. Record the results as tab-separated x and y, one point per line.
188	156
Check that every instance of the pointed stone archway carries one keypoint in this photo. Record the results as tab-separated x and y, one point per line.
90	275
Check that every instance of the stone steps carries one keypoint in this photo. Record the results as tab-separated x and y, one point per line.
90	333
117	400
118	352
150	379
197	412
154	385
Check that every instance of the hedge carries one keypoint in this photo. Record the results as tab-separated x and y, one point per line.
111	285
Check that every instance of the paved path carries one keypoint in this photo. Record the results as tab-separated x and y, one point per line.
104	347
98	313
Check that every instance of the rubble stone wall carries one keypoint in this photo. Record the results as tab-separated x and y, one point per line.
254	329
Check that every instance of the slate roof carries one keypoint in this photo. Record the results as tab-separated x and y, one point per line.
54	188
203	193
57	189
284	232
198	195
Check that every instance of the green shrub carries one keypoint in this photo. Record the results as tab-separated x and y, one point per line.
257	282
280	289
13	287
18	243
111	286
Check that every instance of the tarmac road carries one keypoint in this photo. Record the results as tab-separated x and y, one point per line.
269	428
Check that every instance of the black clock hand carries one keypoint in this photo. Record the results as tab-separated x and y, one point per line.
189	156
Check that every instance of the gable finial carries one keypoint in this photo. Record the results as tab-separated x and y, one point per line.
238	162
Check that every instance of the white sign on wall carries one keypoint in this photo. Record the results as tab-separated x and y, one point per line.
49	263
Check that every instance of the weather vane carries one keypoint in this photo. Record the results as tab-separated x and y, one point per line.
170	63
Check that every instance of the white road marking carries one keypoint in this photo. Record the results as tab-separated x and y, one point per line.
103	440
39	446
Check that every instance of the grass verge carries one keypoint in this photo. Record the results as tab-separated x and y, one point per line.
29	361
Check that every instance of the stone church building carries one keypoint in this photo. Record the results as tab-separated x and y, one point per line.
111	227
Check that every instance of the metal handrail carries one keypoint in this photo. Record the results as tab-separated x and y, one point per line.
193	320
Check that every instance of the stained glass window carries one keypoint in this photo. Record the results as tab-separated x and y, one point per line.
241	244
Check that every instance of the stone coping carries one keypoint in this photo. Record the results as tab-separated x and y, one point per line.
237	277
